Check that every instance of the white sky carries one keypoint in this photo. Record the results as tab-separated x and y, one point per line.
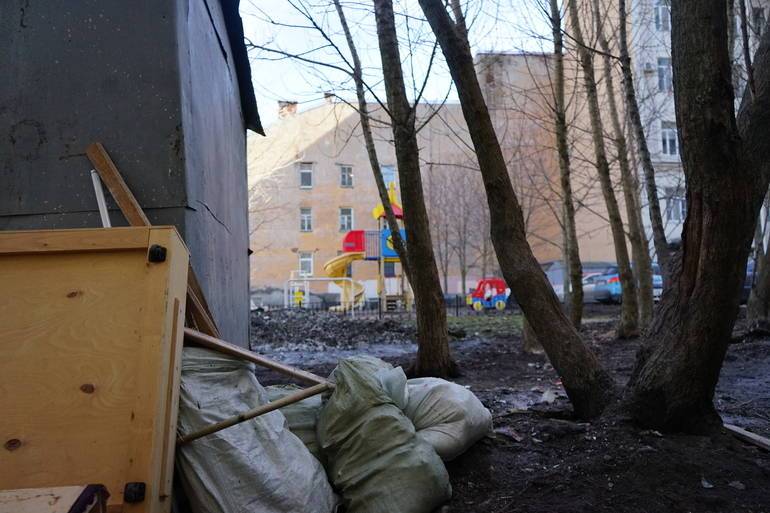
496	25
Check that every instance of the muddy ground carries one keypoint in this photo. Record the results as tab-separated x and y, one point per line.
539	460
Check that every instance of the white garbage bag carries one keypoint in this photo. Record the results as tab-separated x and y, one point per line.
301	417
446	415
257	466
373	455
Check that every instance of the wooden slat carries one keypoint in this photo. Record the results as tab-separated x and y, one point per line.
748	436
256	412
215	344
89	239
109	174
51	500
198	311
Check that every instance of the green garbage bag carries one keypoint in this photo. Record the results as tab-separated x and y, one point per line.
374	457
301	417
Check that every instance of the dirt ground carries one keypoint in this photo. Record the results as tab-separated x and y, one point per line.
538	459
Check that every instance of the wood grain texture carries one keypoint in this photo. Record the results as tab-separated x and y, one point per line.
88	352
199	313
81	240
51	500
111	177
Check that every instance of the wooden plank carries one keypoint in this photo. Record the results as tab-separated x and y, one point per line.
256	412
53	500
80	240
748	436
215	344
87	349
109	174
198	309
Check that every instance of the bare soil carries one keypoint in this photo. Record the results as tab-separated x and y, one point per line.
539	459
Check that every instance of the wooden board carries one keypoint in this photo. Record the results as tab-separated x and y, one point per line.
199	313
90	346
88	499
748	436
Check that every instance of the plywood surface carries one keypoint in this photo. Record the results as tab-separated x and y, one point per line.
89	350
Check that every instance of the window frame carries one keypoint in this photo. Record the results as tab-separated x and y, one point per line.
676	203
665	75
308	257
310	170
351	216
662	15
342	168
669	133
303	216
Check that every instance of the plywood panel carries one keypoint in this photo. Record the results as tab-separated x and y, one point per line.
88	350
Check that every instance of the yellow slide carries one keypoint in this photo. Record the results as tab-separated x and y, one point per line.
337	268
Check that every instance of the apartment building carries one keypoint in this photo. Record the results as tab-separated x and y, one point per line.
651	58
310	182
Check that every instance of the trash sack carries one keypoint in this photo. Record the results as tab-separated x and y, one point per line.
446	415
373	454
256	466
301	417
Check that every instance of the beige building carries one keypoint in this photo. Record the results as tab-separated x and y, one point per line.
310	182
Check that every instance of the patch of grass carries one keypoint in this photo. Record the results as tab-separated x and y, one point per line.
489	324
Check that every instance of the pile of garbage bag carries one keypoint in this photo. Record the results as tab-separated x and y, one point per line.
379	439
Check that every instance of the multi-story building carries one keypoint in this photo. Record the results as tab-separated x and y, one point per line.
311	181
651	57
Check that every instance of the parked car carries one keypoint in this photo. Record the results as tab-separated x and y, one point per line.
555	271
607	287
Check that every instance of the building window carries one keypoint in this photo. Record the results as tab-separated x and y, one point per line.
346	219
758	20
676	205
389	269
305	264
665	75
306	175
668	139
388	174
346	176
306	220
663	15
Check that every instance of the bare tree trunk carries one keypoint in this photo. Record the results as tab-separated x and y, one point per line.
656	219
639	248
629	315
726	167
529	339
371	151
572	251
588	385
433	357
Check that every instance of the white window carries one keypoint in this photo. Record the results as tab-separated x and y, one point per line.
665	75
306	220
676	205
758	20
346	219
306	175
388	174
305	263
668	139
663	15
346	176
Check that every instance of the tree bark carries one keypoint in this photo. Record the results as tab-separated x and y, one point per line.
726	170
639	248
371	150
589	387
572	251
433	357
629	316
656	219
529	339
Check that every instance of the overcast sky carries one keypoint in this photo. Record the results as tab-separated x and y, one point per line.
496	25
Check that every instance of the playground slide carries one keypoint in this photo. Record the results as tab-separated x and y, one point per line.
337	268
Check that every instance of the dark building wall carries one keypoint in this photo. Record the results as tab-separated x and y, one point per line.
215	156
150	80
